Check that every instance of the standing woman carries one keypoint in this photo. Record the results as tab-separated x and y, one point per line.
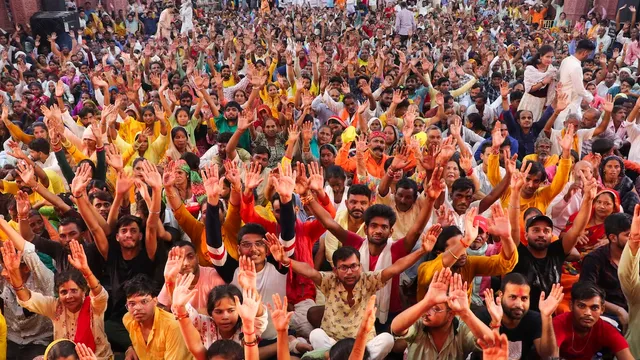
539	82
75	315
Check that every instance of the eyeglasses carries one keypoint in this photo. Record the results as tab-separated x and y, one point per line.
248	245
352	267
433	310
142	303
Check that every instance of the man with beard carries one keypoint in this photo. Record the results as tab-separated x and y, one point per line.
541	260
128	255
349	286
378	250
358	201
543	153
405	201
532	195
154	333
599	267
184	260
345	110
440	326
228	122
525	329
452	246
581	333
374	157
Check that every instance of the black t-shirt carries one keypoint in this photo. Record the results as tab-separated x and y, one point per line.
60	254
541	273
118	270
520	338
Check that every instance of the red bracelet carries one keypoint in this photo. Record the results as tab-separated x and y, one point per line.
470	172
181	316
247	334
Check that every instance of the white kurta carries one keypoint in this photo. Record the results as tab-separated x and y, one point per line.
572	85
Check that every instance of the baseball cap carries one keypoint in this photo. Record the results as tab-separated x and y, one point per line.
537	218
481	221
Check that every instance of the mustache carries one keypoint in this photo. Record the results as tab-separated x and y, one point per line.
378	148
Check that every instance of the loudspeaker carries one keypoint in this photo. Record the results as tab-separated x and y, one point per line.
44	23
53	5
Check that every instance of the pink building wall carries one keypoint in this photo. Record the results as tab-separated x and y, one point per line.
23	9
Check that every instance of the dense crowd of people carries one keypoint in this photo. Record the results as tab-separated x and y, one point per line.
349	180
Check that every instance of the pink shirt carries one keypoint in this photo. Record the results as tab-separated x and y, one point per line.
633	52
208	279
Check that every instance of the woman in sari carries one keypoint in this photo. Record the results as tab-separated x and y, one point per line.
605	203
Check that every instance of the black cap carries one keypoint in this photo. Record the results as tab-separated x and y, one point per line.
537	218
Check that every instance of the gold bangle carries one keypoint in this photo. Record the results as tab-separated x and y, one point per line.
451	252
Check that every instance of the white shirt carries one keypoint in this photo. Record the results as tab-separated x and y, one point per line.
605	40
633	132
583	134
572	85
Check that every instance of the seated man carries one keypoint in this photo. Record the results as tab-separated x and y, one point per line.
599	268
581	333
347	290
529	332
440	325
154	333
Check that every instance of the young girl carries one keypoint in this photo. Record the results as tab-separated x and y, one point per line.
226	316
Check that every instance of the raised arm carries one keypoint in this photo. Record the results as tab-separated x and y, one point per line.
590	187
79	191
302	268
407	261
152	179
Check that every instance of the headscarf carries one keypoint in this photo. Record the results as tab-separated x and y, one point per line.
197	187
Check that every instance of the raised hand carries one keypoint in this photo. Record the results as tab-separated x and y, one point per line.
458	300
307	132
212	183
252	176
294	134
232	173
23	204
519	178
246	273
276	249
59	88
114	158
634	234
181	293
316	177
10	258
496	136
27	174
169	175
279	315
286	183
466	162
470	226
361	144
78	259
250	305
437	292
446	151
246	119
494	306
499	224
151	175
566	142
494	346
548	306
16	151
436	184
174	264
85	352
608	104
81	180
430	237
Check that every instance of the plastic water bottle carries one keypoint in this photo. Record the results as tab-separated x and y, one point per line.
598	356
